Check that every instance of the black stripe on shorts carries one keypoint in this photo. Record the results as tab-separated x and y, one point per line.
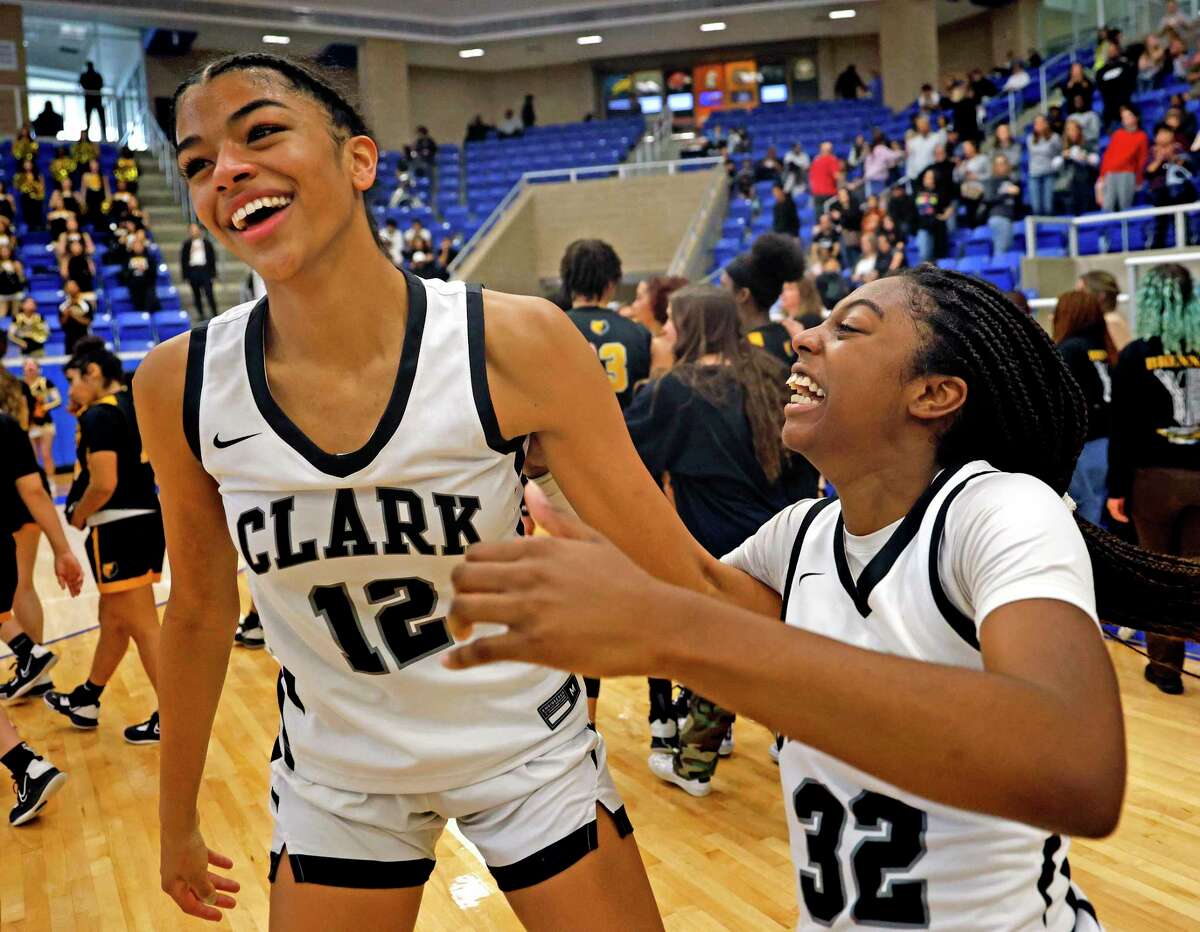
557	856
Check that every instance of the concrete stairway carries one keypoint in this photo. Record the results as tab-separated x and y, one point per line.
170	229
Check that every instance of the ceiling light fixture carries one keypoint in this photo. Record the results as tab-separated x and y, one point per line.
590	40
842	14
276	40
470	53
712	27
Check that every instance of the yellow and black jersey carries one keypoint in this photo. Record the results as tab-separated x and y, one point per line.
1087	359
46	397
1155	413
111	425
775	339
622	346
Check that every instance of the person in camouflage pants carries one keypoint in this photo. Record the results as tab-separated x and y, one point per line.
700	740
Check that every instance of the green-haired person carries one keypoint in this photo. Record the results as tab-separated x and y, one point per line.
1154	450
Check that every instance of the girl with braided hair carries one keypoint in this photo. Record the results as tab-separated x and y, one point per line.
1154	451
951	710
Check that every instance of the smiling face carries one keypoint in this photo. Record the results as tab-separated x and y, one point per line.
855	397
269	176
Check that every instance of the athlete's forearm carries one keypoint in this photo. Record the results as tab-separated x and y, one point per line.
976	740
92	500
41	507
194	656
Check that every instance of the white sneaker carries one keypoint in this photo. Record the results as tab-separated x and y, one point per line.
663	767
726	744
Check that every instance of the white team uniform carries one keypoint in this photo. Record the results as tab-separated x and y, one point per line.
867	852
349	560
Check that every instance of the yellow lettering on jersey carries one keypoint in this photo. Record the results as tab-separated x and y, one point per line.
756	338
1098	355
616	365
1173	361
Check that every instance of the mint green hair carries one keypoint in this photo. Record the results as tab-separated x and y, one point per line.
1167	308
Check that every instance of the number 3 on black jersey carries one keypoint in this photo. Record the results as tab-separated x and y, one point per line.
403	622
883	898
616	365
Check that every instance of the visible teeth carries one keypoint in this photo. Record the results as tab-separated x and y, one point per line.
239	216
802	400
793	380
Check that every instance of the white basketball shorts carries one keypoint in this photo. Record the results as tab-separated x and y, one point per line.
529	824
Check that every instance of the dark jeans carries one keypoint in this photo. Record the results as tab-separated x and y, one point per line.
96	104
1164	506
202	288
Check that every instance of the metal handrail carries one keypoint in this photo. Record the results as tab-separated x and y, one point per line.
572	175
164	154
699	224
1123	216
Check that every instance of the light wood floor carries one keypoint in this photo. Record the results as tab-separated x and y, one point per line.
720	863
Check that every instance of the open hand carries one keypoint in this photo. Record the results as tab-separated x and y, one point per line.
571	601
187	880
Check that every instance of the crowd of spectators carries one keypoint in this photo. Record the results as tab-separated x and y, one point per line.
510	126
93	229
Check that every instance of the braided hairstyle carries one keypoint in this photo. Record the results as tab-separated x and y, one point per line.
587	268
344	119
1025	413
1167	308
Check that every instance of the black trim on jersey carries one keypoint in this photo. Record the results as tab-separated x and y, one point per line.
283	747
193	383
275	800
1046	878
289	685
557	856
799	542
355	873
963	626
343	464
882	563
477	355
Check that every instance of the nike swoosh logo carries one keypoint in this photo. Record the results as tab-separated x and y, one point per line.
222	444
804	576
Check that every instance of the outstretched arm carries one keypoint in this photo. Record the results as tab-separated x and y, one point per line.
545	380
198	628
1035	736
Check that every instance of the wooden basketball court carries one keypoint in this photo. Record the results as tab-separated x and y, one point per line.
91	861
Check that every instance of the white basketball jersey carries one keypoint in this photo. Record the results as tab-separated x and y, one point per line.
869	853
349	556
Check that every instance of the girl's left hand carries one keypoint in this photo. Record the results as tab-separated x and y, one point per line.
571	601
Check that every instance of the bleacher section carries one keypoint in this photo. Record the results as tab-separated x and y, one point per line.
472	181
970	250
116	319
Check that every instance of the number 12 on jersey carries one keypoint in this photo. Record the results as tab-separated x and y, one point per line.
402	619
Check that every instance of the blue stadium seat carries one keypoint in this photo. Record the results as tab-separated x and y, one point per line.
134	326
169	323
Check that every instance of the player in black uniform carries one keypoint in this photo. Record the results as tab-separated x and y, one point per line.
591	271
756	280
113	495
21	492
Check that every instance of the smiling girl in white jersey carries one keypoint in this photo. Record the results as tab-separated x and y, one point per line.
351	433
951	711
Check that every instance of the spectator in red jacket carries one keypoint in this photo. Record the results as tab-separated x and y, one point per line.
1124	164
823	176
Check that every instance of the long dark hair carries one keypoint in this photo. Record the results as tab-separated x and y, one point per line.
1026	413
344	118
1080	313
706	323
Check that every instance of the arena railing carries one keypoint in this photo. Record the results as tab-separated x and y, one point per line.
1123	217
164	154
704	224
573	175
